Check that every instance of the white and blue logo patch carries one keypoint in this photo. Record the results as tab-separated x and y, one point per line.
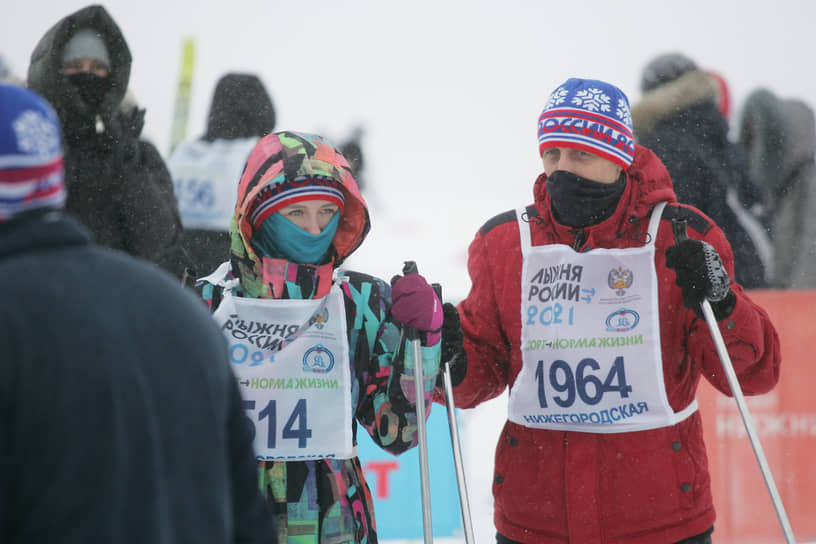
318	359
622	320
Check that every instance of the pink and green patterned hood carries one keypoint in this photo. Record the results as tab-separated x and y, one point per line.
284	156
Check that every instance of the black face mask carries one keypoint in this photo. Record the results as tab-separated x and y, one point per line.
91	88
579	202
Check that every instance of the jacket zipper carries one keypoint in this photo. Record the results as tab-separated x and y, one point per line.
580	238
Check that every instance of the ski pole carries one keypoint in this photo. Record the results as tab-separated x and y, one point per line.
679	230
464	502
412	337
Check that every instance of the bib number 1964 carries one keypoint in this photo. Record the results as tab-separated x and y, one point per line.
560	378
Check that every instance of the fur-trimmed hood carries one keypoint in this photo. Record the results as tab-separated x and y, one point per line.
692	88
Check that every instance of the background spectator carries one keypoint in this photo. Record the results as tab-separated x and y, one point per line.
205	171
118	184
778	136
678	118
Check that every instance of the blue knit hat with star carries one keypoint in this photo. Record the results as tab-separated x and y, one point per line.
31	161
590	115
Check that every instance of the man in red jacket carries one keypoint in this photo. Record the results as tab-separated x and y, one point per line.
583	305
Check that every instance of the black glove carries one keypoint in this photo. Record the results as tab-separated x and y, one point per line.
453	350
701	275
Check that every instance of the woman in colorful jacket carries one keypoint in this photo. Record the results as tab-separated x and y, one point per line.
583	306
317	349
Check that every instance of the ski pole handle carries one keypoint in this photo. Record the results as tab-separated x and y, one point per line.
679	229
410	267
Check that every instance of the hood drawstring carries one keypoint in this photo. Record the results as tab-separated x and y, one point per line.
638	236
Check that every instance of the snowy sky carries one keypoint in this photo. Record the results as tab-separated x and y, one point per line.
448	91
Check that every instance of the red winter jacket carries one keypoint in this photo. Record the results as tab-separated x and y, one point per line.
647	487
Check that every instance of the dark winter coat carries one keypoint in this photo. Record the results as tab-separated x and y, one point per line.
120	418
647	487
680	122
779	138
118	185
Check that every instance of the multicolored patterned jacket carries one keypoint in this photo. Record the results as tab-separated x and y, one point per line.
328	501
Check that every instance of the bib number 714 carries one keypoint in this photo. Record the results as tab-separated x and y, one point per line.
583	382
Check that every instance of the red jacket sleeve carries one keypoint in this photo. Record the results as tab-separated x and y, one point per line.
486	344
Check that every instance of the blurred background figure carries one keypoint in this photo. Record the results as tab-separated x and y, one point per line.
6	74
118	184
352	149
204	172
681	118
778	136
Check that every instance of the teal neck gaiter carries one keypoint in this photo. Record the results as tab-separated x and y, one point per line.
279	238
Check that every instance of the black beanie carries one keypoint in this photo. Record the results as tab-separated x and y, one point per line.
240	108
664	69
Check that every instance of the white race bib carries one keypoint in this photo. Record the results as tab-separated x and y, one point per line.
590	340
292	362
205	180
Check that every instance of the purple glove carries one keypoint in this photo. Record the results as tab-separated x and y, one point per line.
415	305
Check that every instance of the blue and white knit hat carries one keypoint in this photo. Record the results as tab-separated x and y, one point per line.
589	115
31	164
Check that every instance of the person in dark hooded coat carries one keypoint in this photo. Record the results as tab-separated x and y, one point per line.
118	184
778	136
204	172
678	118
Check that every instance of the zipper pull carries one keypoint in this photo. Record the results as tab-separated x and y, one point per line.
580	238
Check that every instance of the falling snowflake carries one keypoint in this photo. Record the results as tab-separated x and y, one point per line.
557	97
623	112
592	99
35	133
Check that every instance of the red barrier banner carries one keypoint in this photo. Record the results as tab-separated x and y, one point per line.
785	422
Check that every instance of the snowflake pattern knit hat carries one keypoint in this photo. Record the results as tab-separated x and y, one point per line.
589	115
31	163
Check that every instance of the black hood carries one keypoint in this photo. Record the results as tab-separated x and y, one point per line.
240	108
45	71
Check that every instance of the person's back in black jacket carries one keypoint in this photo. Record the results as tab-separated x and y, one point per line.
678	119
120	418
118	185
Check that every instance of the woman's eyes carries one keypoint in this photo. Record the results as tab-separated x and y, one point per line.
297	212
